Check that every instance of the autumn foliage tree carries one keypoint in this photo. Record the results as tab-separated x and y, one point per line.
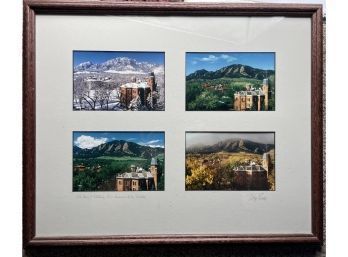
200	178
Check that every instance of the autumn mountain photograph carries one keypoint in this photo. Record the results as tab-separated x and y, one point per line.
230	161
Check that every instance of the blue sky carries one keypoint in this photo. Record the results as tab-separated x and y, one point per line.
93	139
216	60
102	56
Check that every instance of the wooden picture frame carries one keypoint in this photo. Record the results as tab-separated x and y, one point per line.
91	7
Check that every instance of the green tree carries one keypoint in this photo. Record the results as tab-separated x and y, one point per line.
193	89
208	101
271	101
161	174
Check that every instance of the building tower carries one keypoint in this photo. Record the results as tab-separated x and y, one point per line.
153	170
266	162
119	184
133	168
265	90
152	82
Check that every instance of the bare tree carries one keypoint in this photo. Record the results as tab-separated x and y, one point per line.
135	104
102	95
103	92
78	92
90	100
149	101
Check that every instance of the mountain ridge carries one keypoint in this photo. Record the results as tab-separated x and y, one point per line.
119	65
118	148
231	71
232	146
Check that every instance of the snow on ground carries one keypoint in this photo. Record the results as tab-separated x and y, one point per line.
84	72
125	72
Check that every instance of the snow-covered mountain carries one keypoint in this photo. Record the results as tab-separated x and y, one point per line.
83	66
122	65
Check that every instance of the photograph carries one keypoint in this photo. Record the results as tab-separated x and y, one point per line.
118	81
118	161
230	161
226	81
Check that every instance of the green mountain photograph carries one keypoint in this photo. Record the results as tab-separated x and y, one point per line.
230	81
118	161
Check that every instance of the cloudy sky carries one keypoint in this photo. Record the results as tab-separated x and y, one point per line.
92	139
216	60
212	138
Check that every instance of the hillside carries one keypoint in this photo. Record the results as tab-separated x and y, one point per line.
231	145
118	148
231	71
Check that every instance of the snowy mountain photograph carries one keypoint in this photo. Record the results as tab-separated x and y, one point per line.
118	81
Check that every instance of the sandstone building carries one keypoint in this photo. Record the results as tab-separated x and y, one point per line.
138	179
141	89
253	176
252	99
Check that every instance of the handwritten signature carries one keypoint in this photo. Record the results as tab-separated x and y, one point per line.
257	197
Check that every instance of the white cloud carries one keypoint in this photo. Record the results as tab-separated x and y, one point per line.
210	58
88	142
213	138
214	58
154	146
153	141
228	58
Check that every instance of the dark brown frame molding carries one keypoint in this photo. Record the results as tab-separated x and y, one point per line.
108	7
